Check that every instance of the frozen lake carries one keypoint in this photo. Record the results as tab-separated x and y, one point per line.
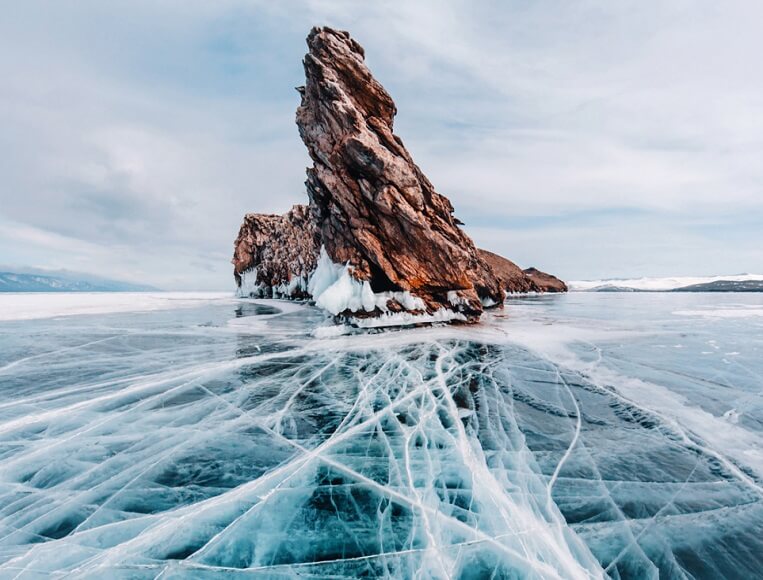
201	436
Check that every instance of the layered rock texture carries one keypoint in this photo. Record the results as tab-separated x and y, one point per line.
545	282
371	208
275	254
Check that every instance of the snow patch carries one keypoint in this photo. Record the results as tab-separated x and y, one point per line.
488	302
249	286
455	299
335	289
287	290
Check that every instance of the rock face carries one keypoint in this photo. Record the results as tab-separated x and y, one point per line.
511	276
275	254
371	209
545	282
375	208
515	280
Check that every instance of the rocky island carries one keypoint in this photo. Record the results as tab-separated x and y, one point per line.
376	245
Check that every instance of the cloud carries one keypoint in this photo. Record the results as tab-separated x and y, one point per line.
136	134
23	234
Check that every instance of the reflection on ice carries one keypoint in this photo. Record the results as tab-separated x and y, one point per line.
230	440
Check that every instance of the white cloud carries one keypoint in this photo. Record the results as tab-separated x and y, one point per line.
144	131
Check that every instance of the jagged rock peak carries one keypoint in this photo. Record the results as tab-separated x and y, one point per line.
376	241
374	207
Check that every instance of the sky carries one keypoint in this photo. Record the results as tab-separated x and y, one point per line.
592	139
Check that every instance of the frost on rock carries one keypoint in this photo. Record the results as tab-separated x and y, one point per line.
334	289
249	287
487	302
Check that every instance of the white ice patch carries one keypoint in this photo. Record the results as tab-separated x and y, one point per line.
325	275
455	299
249	286
406	299
346	293
335	289
331	331
488	302
287	290
408	319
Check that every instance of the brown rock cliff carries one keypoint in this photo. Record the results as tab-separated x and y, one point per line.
514	279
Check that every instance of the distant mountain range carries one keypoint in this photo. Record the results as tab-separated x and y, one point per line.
63	281
725	286
737	283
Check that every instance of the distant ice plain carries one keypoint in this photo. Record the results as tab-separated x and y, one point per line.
659	284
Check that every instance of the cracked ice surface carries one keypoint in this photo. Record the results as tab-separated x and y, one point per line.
227	440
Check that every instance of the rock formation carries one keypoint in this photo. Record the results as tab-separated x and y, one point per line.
515	280
511	276
375	208
390	241
545	282
276	254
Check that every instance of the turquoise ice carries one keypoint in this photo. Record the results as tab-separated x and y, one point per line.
578	436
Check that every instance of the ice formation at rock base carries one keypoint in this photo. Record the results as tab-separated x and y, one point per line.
191	444
334	289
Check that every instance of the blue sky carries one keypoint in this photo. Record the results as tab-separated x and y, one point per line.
590	139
